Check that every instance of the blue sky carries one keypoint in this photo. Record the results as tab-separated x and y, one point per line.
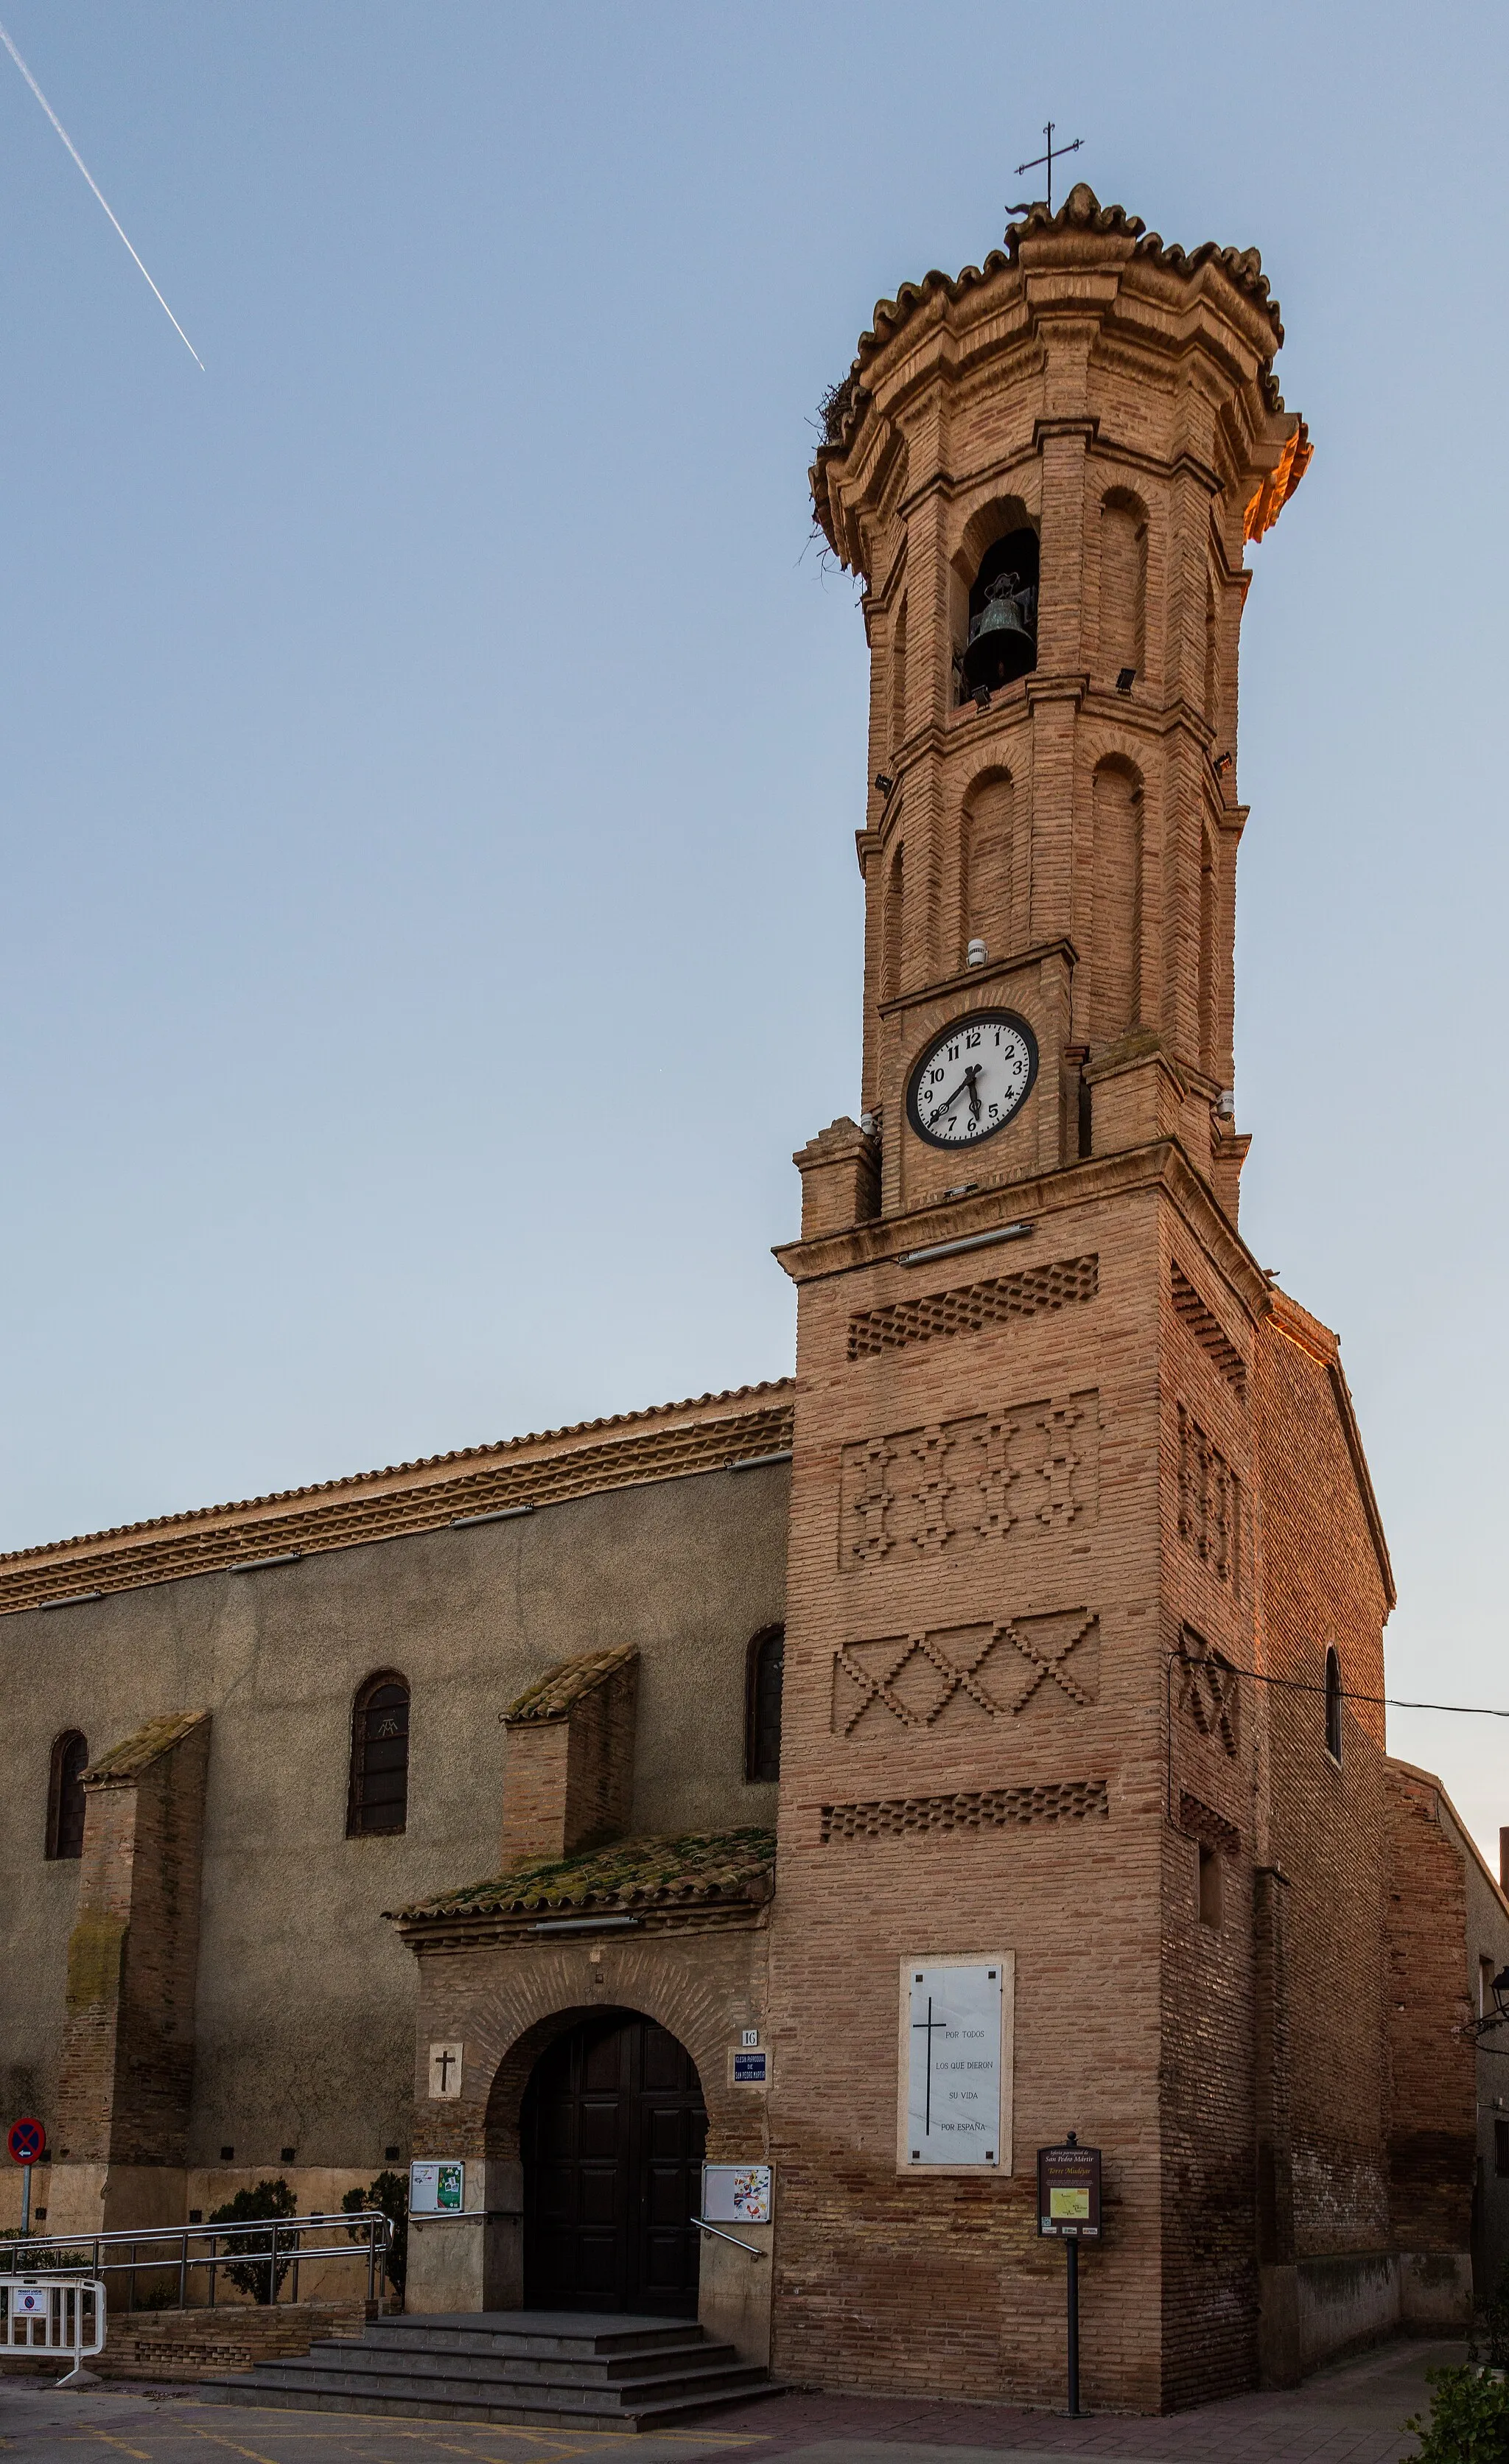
449	662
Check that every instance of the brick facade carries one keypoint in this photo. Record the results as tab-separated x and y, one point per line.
1078	1523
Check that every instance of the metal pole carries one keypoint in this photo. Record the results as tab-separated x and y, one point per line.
26	2201
1072	2247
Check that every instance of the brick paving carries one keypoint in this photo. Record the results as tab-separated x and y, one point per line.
1352	2414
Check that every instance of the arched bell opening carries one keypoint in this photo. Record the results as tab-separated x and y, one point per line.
1000	641
612	2129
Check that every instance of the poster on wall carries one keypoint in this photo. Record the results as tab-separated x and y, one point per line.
955	2064
437	2190
737	2194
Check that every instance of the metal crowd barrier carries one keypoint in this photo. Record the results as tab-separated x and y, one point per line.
280	2244
55	2314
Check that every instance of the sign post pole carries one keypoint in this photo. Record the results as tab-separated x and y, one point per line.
1071	2251
1069	2210
25	2141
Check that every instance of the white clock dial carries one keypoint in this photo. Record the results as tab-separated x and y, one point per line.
973	1079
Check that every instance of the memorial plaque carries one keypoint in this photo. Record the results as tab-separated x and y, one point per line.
956	2032
1069	2192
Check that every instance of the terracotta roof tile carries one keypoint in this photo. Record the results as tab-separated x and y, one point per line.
127	1761
625	1449
694	1869
552	1696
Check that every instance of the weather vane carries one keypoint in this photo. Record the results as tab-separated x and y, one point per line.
1039	160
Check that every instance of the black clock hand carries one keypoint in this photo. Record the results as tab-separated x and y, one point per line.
974	1076
967	1082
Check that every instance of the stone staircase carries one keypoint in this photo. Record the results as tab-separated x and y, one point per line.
574	2368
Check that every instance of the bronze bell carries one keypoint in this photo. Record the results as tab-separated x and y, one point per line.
1002	643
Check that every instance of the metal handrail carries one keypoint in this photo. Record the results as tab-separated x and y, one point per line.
230	2245
718	2234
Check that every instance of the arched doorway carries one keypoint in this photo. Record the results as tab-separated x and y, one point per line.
612	2134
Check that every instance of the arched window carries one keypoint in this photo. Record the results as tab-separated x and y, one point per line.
65	1795
1208	928
1124	583
898	679
1001	634
767	1663
985	866
379	1798
1333	1704
1115	903
892	924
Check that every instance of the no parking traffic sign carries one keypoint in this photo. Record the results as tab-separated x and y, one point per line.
26	2139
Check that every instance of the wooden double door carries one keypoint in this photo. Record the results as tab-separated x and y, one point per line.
613	2131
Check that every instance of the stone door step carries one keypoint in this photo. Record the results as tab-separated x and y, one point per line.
587	2370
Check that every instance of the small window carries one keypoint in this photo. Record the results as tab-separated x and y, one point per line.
1500	2146
65	1795
379	1798
1333	1706
767	1663
1210	1886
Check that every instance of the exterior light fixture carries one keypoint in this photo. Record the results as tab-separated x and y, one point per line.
976	955
883	783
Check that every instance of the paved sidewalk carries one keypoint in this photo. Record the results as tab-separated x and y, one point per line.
1352	2414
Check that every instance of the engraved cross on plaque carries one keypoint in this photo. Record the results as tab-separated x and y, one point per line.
929	2027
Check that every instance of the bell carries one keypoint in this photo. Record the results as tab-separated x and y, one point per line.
1002	644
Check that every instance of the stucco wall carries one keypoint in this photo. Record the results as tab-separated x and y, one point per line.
306	1999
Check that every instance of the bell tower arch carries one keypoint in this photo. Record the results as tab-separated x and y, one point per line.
1024	1460
1045	471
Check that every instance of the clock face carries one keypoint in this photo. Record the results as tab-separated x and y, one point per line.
973	1079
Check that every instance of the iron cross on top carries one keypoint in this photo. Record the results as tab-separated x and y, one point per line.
1037	160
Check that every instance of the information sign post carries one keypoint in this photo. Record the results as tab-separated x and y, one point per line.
26	2139
1069	2211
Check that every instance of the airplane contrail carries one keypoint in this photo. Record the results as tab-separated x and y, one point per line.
85	168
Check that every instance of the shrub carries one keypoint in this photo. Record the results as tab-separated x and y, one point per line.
1469	2420
389	2194
265	2200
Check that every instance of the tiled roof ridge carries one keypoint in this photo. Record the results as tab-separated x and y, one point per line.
355	1482
552	1696
1081	210
134	1755
685	1868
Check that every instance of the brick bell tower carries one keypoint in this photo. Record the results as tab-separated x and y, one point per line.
1022	1526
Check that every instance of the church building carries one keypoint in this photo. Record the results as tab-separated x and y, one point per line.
858	1783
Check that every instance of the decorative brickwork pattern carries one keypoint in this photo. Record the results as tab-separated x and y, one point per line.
1200	1821
991	1671
945	1486
1208	1330
992	1809
973	1306
1209	1504
1206	1690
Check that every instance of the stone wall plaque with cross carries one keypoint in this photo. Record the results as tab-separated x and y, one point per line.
955	2064
445	2072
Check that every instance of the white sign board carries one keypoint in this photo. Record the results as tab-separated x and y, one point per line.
956	2039
736	2194
437	2190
